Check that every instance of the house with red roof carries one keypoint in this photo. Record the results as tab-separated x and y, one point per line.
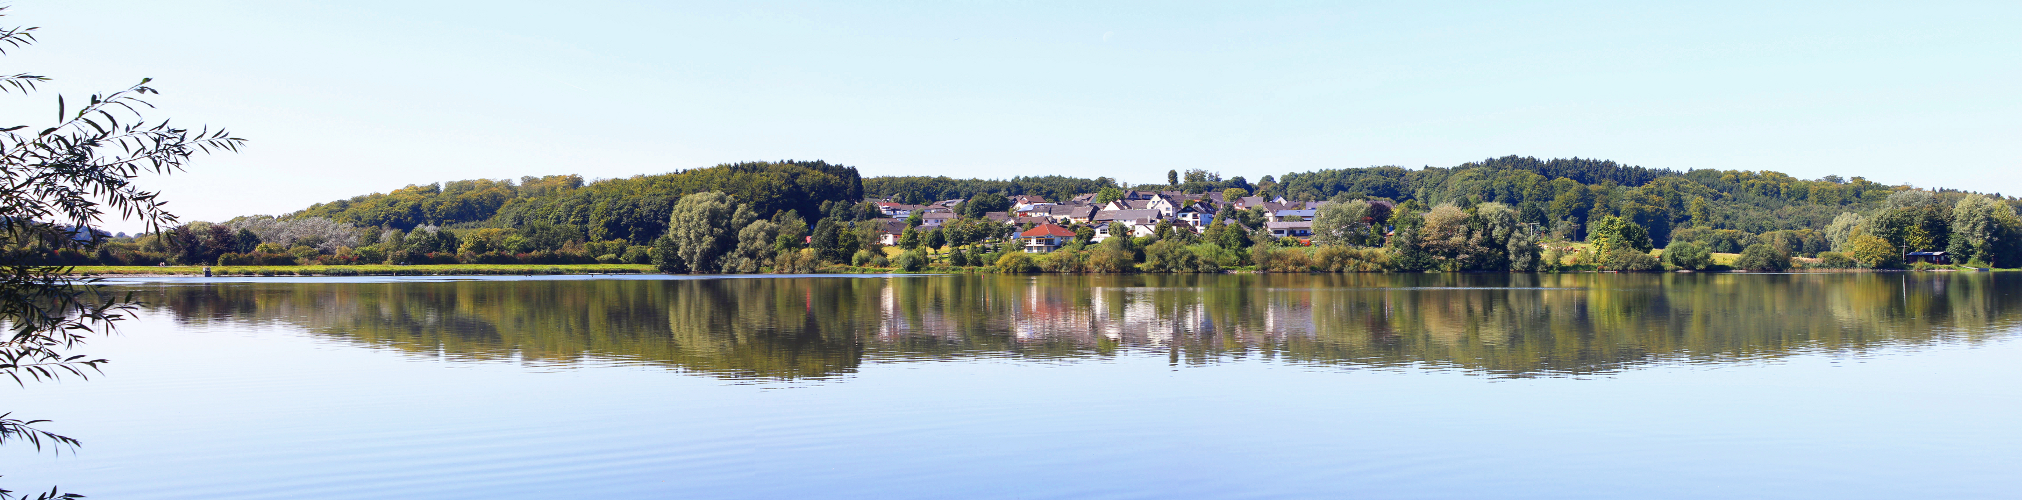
1045	238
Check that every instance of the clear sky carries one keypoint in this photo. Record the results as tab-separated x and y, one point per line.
347	98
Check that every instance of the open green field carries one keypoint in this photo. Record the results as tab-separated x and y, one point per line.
371	270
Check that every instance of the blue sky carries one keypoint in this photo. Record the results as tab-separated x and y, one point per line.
341	99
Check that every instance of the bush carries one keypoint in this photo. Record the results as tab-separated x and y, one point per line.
1060	261
1836	260
912	261
1762	257
1109	259
791	261
1629	260
1172	257
1339	259
1688	255
1016	263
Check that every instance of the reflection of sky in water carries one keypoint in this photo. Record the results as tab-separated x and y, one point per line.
1850	386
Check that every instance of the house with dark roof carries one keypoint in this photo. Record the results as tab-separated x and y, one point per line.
897	210
1064	214
936	218
1195	214
1931	257
888	230
1025	201
1299	229
1045	238
1290	215
1108	216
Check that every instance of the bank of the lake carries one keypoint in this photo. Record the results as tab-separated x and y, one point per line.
368	270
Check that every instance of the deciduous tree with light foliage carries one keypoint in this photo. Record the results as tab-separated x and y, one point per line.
57	183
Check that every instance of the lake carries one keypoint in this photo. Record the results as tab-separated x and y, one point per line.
1856	385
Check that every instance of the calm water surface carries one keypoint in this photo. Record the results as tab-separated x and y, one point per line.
1245	386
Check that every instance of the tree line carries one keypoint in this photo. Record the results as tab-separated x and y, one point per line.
1501	214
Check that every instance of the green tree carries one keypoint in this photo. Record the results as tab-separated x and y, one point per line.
702	228
60	179
1702	216
1343	223
936	239
1110	193
1230	195
824	242
1874	252
1610	233
1172	178
1986	231
754	247
910	239
792	231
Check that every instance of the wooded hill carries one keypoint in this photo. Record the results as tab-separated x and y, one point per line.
562	218
633	209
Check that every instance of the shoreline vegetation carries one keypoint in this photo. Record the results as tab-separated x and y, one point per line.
1510	214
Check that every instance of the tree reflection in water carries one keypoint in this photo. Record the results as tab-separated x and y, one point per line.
793	328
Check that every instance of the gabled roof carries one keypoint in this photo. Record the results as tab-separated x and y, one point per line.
1044	230
938	215
886	225
1128	215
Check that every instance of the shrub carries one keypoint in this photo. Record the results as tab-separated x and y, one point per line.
1348	259
1016	263
1173	257
912	261
1836	260
1688	255
1629	260
1109	259
1762	257
1215	256
861	259
1059	261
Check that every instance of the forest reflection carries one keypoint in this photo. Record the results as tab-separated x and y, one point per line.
792	328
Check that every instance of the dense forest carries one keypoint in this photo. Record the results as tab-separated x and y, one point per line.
633	209
1499	214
